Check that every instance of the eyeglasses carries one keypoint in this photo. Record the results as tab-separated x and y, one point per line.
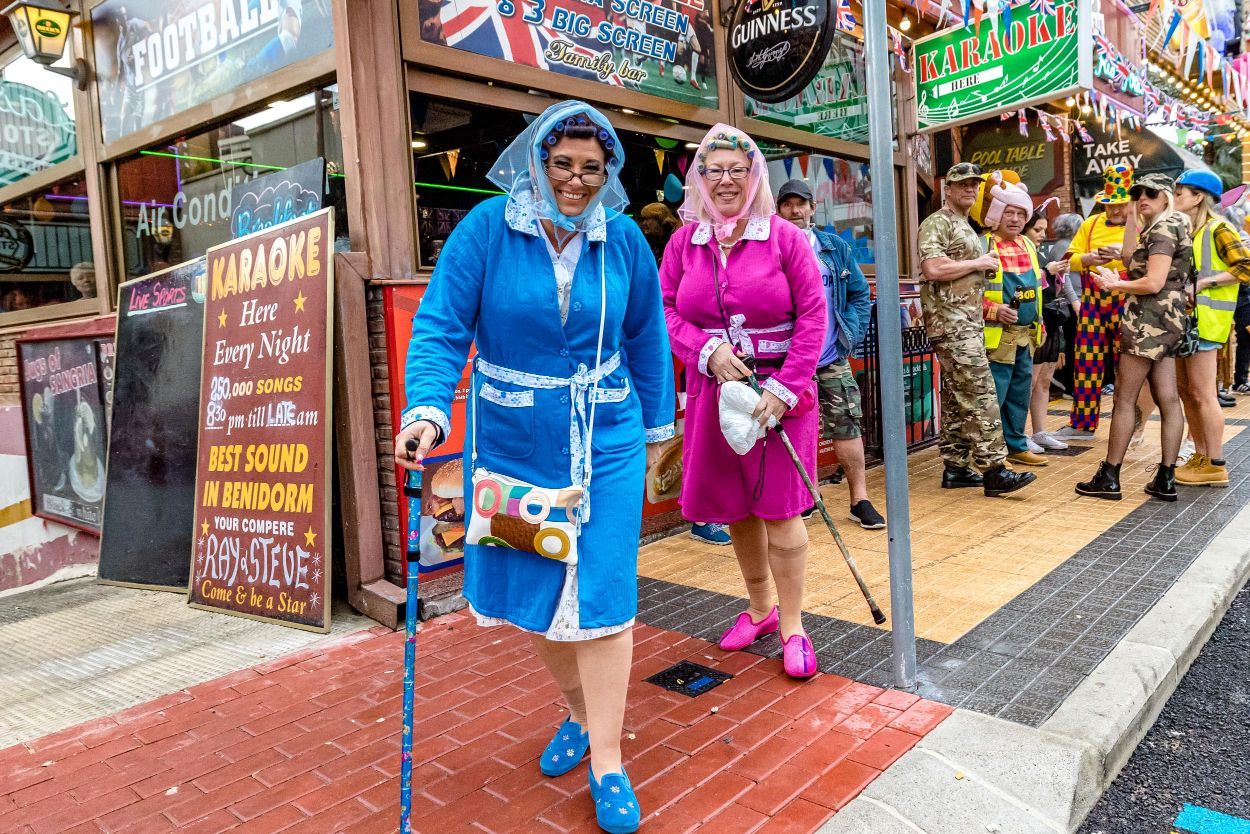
590	179
738	172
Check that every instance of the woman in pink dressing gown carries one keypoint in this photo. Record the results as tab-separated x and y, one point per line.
771	307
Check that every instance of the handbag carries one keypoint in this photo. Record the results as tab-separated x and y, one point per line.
513	514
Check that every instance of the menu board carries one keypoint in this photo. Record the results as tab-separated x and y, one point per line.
262	503
148	513
63	402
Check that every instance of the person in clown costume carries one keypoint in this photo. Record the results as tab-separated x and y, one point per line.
1097	244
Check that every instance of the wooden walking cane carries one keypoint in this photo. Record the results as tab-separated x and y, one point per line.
412	489
877	616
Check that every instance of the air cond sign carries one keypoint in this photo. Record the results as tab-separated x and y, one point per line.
965	74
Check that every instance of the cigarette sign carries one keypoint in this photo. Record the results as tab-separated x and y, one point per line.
965	74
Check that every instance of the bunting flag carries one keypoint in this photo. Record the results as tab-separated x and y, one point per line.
844	20
944	13
967	11
1084	134
1043	7
1191	52
453	159
1005	8
659	159
1044	122
1175	22
1150	13
1201	49
978	9
1024	123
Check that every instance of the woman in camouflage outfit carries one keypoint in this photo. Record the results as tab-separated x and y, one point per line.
1156	327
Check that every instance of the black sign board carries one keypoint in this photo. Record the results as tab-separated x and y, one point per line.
1144	151
776	48
278	197
63	400
150	511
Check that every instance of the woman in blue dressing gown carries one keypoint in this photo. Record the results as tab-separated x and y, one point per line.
521	277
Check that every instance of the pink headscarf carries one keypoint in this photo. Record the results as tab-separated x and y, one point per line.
699	207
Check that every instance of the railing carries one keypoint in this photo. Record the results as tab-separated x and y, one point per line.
920	402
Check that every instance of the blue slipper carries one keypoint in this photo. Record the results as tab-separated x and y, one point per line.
616	806
565	750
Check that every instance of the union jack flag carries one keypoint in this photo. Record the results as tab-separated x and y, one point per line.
1046	7
1104	45
844	19
481	26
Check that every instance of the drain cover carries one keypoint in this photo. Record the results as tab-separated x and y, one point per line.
689	679
1070	452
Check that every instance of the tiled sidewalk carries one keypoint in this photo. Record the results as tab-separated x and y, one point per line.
310	743
1017	600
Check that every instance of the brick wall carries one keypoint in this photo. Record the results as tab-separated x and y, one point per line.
10	393
392	541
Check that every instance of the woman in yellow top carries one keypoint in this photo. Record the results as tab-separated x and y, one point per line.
1222	262
1097	244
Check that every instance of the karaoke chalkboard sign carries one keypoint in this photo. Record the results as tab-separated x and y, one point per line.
64	409
262	515
275	198
149	506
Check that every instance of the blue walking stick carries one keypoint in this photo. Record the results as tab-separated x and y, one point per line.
412	489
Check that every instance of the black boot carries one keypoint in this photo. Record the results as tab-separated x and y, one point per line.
959	477
1000	480
1105	485
1163	486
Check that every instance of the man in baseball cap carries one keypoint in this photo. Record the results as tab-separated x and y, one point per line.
954	268
847	299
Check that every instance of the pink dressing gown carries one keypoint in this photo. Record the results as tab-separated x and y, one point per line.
772	292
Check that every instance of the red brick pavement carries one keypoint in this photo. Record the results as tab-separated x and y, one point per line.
310	743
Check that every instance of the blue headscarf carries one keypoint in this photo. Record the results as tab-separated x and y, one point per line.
519	169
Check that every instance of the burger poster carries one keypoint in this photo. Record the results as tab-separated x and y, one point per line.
434	527
262	487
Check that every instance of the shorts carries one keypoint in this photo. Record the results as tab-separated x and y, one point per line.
1207	344
841	413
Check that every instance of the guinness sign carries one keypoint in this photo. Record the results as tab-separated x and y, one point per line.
16	246
776	47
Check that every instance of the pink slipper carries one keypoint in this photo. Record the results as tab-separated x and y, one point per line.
746	631
798	657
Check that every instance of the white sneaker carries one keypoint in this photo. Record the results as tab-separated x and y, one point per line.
1186	452
1070	433
1049	441
1035	448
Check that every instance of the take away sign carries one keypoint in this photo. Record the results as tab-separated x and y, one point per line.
965	74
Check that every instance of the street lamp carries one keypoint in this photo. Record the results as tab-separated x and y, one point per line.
42	29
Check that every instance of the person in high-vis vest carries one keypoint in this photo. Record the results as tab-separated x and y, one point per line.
1012	307
1222	263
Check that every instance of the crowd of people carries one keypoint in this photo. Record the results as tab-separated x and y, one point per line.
576	312
1155	280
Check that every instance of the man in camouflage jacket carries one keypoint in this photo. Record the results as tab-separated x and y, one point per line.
953	268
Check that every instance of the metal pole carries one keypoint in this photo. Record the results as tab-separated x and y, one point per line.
890	340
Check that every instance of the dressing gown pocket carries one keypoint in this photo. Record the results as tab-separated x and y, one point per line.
618	420
506	422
